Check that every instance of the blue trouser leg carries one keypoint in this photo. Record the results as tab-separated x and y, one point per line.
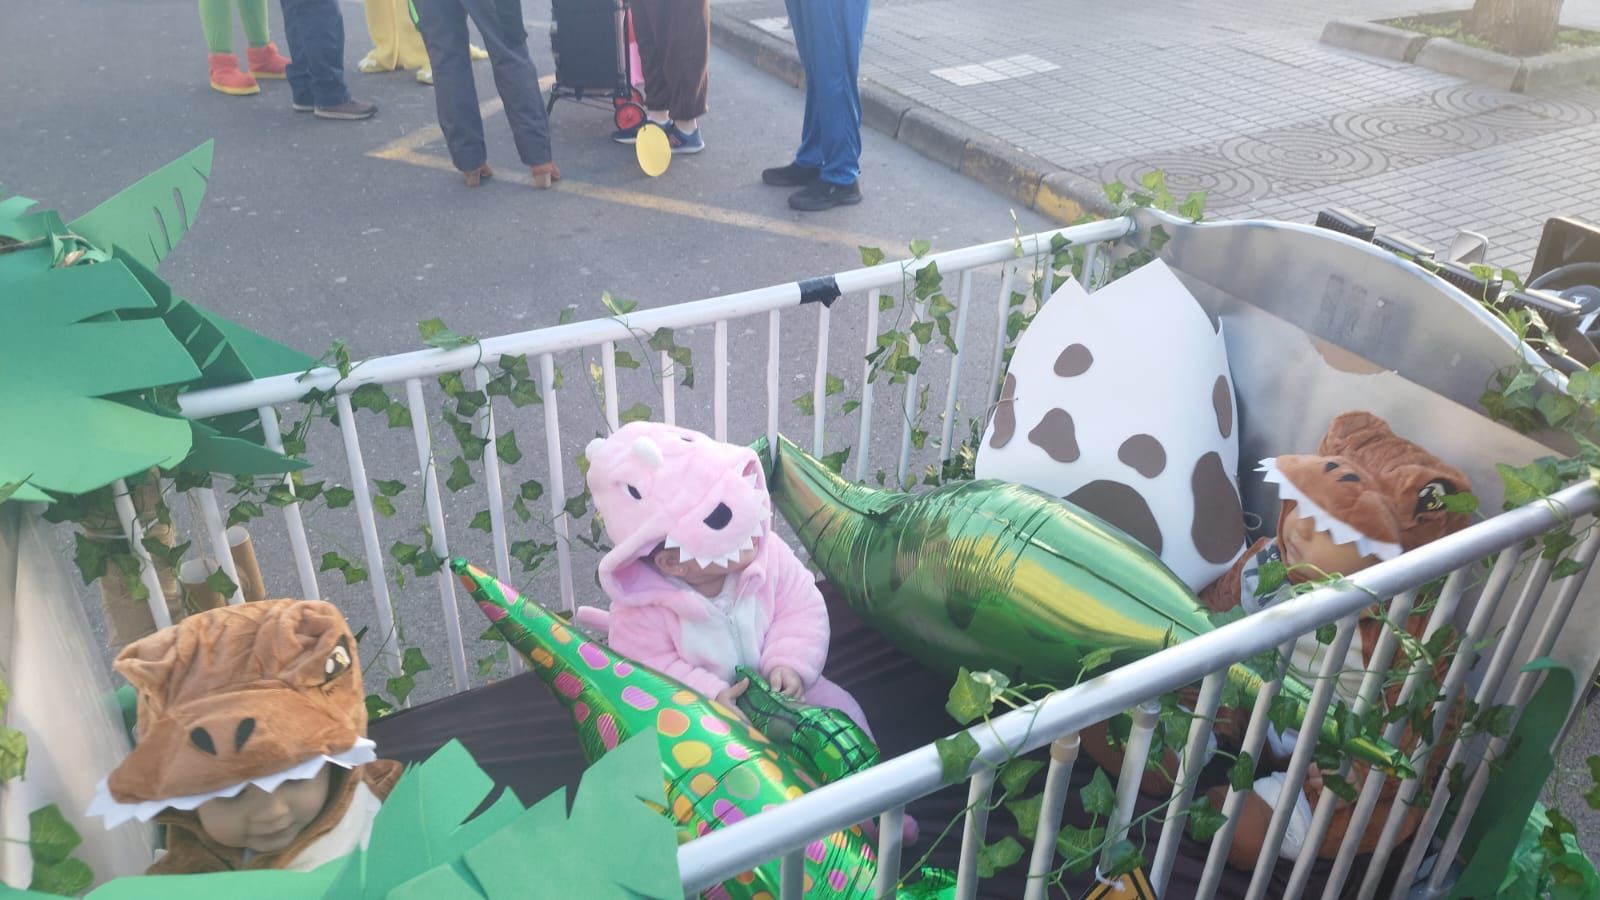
828	36
443	24
515	75
314	30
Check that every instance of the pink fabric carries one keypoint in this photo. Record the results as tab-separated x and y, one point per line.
709	499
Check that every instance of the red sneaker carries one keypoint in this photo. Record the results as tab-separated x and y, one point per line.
226	77
267	62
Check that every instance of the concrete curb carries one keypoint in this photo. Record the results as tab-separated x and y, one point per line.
1483	66
1374	39
1010	171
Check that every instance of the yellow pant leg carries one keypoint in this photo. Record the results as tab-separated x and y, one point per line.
396	43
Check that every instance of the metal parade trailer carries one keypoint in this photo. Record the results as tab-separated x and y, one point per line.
1315	323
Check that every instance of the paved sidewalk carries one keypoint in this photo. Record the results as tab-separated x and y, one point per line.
1234	97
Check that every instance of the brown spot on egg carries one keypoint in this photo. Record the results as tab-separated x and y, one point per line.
1122	506
1144	454
1218	528
1075	360
1005	413
1222	402
1057	435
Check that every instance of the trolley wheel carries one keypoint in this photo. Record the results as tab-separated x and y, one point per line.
628	115
634	96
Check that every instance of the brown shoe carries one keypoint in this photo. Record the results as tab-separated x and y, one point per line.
350	109
545	175
477	175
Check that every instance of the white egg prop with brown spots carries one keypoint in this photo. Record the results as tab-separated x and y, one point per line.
1121	402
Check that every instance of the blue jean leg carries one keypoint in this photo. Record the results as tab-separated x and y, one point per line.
828	36
314	30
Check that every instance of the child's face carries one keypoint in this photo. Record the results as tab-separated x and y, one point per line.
265	823
672	562
1301	544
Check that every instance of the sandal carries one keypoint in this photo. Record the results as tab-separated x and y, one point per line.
476	175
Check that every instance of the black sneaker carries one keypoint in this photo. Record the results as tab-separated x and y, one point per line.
350	109
820	195
297	106
792	175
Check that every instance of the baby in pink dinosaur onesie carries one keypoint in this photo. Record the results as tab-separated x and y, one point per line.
698	581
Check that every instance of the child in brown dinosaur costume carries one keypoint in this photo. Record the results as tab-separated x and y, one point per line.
1366	496
252	746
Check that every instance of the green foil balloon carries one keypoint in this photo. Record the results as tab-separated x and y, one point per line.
718	770
823	740
994	575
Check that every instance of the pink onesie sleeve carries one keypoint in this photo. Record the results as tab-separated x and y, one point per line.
649	635
797	636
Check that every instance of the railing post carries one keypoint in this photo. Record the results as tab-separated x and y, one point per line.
977	824
1057	780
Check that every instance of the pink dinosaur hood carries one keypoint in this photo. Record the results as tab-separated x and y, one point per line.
659	484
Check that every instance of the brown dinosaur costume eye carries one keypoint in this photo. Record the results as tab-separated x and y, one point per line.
1431	497
337	663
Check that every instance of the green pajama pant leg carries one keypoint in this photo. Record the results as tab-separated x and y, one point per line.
253	13
216	18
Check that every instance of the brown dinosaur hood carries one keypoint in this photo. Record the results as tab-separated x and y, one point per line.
1368	486
241	693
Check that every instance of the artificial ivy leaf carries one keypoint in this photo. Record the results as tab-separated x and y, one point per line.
383	506
1098	658
1122	857
243	512
13	753
1114	192
400	687
1592	797
1340	786
482	522
1098	796
530	490
1526	484
413	662
220	582
67	878
1078	846
624	360
1564	568
1242	774
436	334
956	754
870	256
617	306
1271	575
51	838
389	488
505	447
835	461
1026	812
1204	819
973	694
1015	775
635	413
377	707
920	248
338	497
806	403
998	855
460	476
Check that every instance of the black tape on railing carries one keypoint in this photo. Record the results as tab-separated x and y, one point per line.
822	290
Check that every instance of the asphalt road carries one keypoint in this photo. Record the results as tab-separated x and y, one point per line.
314	230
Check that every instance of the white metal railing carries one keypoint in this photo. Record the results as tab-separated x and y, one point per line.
886	789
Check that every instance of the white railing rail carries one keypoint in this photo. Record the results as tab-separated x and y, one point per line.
885	789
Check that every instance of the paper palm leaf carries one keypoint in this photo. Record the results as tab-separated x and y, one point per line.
61	357
147	218
424	846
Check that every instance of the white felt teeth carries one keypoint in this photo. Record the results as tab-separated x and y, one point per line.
726	559
1341	532
751	481
647	450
